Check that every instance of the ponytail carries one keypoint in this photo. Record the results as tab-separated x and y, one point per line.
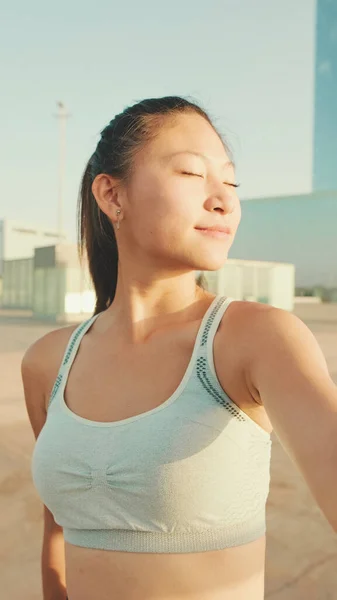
97	238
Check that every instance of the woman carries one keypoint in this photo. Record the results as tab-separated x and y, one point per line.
153	436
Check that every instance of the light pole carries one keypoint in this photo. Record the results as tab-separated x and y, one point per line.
62	117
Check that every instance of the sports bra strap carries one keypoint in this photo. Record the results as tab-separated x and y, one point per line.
70	353
214	319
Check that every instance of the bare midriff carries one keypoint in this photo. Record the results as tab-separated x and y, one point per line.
229	574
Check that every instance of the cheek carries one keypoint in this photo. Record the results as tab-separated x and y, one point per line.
162	203
164	226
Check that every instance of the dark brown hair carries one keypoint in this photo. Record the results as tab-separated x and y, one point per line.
120	140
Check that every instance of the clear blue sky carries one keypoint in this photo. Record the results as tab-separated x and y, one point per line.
249	62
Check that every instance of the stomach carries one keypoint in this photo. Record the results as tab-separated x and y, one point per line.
228	574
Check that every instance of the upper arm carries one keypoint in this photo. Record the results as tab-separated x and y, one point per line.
34	383
39	368
290	374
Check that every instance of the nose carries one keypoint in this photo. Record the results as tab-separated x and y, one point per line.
223	200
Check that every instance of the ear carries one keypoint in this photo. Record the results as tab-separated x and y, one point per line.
106	190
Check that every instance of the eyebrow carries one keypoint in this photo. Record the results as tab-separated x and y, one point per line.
228	163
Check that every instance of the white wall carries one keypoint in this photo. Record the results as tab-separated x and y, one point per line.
18	239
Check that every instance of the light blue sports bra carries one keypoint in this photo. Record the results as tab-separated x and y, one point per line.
190	475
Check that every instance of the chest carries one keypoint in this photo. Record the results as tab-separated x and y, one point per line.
122	383
110	384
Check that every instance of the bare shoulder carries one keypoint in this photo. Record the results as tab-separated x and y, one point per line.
269	326
39	368
44	356
257	322
256	329
243	317
274	337
237	339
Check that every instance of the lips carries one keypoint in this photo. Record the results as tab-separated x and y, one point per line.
216	228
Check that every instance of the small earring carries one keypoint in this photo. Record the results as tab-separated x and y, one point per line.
118	212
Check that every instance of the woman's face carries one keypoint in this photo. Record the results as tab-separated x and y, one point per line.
182	180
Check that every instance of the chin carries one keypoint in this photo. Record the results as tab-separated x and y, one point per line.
211	264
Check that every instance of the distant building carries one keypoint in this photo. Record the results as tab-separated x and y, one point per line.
293	229
18	240
302	229
56	285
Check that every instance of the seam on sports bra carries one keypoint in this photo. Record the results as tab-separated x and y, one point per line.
210	389
210	320
228	403
202	363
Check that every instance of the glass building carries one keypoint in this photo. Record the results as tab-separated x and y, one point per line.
302	229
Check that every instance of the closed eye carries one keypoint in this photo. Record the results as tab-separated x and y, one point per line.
235	185
188	173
